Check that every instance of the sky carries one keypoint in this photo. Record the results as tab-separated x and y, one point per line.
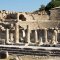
22	5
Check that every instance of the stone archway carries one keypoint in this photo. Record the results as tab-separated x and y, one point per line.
22	17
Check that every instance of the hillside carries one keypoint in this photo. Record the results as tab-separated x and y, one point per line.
52	4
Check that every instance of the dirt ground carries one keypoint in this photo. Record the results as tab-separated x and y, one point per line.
32	57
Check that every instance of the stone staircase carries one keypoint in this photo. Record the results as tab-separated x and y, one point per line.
29	51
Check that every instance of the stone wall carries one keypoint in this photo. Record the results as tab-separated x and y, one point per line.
7	15
23	15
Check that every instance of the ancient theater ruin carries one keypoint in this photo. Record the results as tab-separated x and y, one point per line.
30	28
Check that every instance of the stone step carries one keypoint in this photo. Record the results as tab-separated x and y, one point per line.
25	51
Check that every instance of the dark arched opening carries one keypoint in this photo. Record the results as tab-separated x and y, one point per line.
21	17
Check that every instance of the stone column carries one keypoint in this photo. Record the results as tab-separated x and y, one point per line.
53	39
16	33
7	35
55	32
17	16
41	42
28	34
23	31
36	36
11	37
45	35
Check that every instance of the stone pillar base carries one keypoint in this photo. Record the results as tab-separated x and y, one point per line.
27	44
54	43
46	42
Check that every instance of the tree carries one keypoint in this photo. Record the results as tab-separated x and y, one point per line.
52	4
42	8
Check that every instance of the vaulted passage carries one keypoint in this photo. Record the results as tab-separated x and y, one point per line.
22	17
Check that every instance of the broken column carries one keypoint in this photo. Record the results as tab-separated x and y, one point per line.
16	33
11	37
17	16
53	39
7	35
55	32
45	35
23	32
36	36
